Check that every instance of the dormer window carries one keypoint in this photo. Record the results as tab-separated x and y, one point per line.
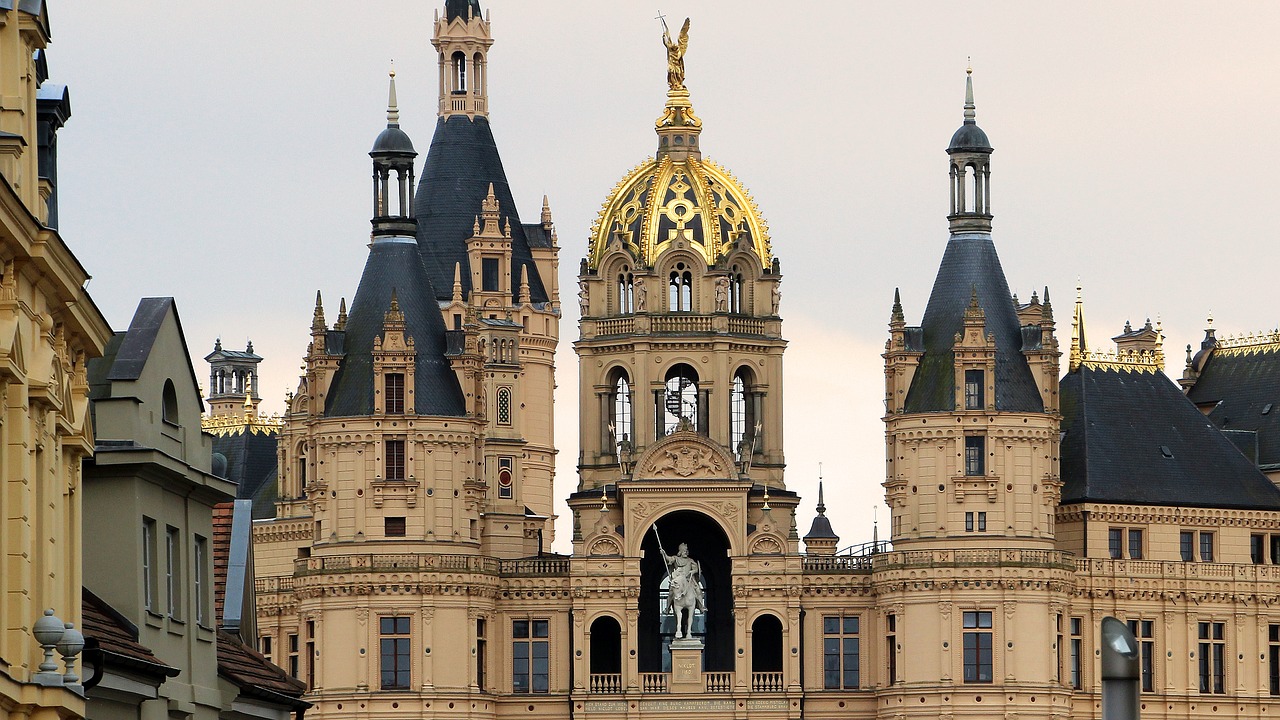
393	399
973	390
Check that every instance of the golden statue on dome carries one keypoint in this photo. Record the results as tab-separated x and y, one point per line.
675	54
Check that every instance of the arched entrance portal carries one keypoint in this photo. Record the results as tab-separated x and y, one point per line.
710	547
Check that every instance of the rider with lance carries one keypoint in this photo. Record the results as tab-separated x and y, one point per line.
684	589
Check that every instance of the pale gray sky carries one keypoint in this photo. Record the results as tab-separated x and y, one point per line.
218	153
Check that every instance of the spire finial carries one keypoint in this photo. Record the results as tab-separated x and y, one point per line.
969	109
897	315
317	318
1078	345
393	110
822	506
341	324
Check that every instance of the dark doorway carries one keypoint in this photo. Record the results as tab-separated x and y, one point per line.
766	644
710	547
606	646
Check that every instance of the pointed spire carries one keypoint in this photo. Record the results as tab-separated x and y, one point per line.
896	316
822	506
393	110
1046	310
974	311
342	315
524	285
546	212
1078	345
317	319
970	110
457	282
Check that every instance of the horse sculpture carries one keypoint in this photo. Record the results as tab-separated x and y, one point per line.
684	594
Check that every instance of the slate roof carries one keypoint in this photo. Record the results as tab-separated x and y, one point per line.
255	676
462	162
117	638
395	265
970	261
458	8
1240	385
1132	437
127	353
252	465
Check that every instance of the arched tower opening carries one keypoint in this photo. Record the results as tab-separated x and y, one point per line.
709	545
766	644
606	646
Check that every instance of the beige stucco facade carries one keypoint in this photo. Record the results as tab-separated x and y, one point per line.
49	328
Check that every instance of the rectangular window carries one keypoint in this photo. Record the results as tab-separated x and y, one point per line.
149	564
1144	631
311	654
1206	547
302	475
201	581
1275	549
393	527
489	274
975	448
1057	626
1273	658
481	647
293	655
394	642
840	652
978	647
457	321
981	521
1213	650
506	478
264	643
973	395
395	459
530	659
1135	544
1115	543
1187	545
891	647
968	522
393	400
1258	549
1077	651
172	572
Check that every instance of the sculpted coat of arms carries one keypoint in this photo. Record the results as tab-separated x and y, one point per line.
686	461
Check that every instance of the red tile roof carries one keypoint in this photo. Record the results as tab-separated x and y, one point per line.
117	637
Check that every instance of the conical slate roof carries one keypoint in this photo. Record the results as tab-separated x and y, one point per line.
461	164
394	265
971	264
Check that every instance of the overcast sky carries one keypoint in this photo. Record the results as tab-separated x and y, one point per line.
218	154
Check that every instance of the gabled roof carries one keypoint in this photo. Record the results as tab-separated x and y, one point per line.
1242	386
117	638
394	265
970	263
461	164
255	676
130	350
1130	436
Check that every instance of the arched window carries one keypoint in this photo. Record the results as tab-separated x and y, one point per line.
735	291
680	289
742	410
766	654
971	188
680	401
477	73
626	292
504	406
459	72
606	655
622	409
169	404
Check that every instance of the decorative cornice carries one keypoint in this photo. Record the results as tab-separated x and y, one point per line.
1120	361
225	425
1247	344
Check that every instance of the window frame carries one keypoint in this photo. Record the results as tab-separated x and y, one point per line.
173	572
393	388
974	389
398	637
975	455
528	647
978	647
393	460
200	579
841	652
1211	658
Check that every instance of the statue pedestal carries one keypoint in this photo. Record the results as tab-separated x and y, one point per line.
686	666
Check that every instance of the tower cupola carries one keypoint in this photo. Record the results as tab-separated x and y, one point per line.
393	153
462	40
970	158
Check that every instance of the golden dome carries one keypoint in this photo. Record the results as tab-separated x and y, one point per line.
678	194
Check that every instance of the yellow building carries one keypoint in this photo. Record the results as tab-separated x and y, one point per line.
405	574
49	328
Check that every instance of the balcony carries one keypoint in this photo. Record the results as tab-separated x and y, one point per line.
681	323
655	682
767	682
1179	570
606	684
715	683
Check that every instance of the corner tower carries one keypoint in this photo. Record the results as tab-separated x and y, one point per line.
972	393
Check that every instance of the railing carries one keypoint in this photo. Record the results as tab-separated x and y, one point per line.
535	566
278	583
719	682
655	682
680	323
1176	569
616	326
606	683
837	563
982	557
746	325
767	682
425	562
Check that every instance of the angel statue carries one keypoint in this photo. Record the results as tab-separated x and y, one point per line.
675	55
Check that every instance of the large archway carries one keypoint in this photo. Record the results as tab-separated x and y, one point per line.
709	545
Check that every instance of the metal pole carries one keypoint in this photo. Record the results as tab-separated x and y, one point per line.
1121	671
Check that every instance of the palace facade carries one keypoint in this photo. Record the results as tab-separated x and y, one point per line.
406	572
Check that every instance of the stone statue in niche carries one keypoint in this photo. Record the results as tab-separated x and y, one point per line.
722	294
642	295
